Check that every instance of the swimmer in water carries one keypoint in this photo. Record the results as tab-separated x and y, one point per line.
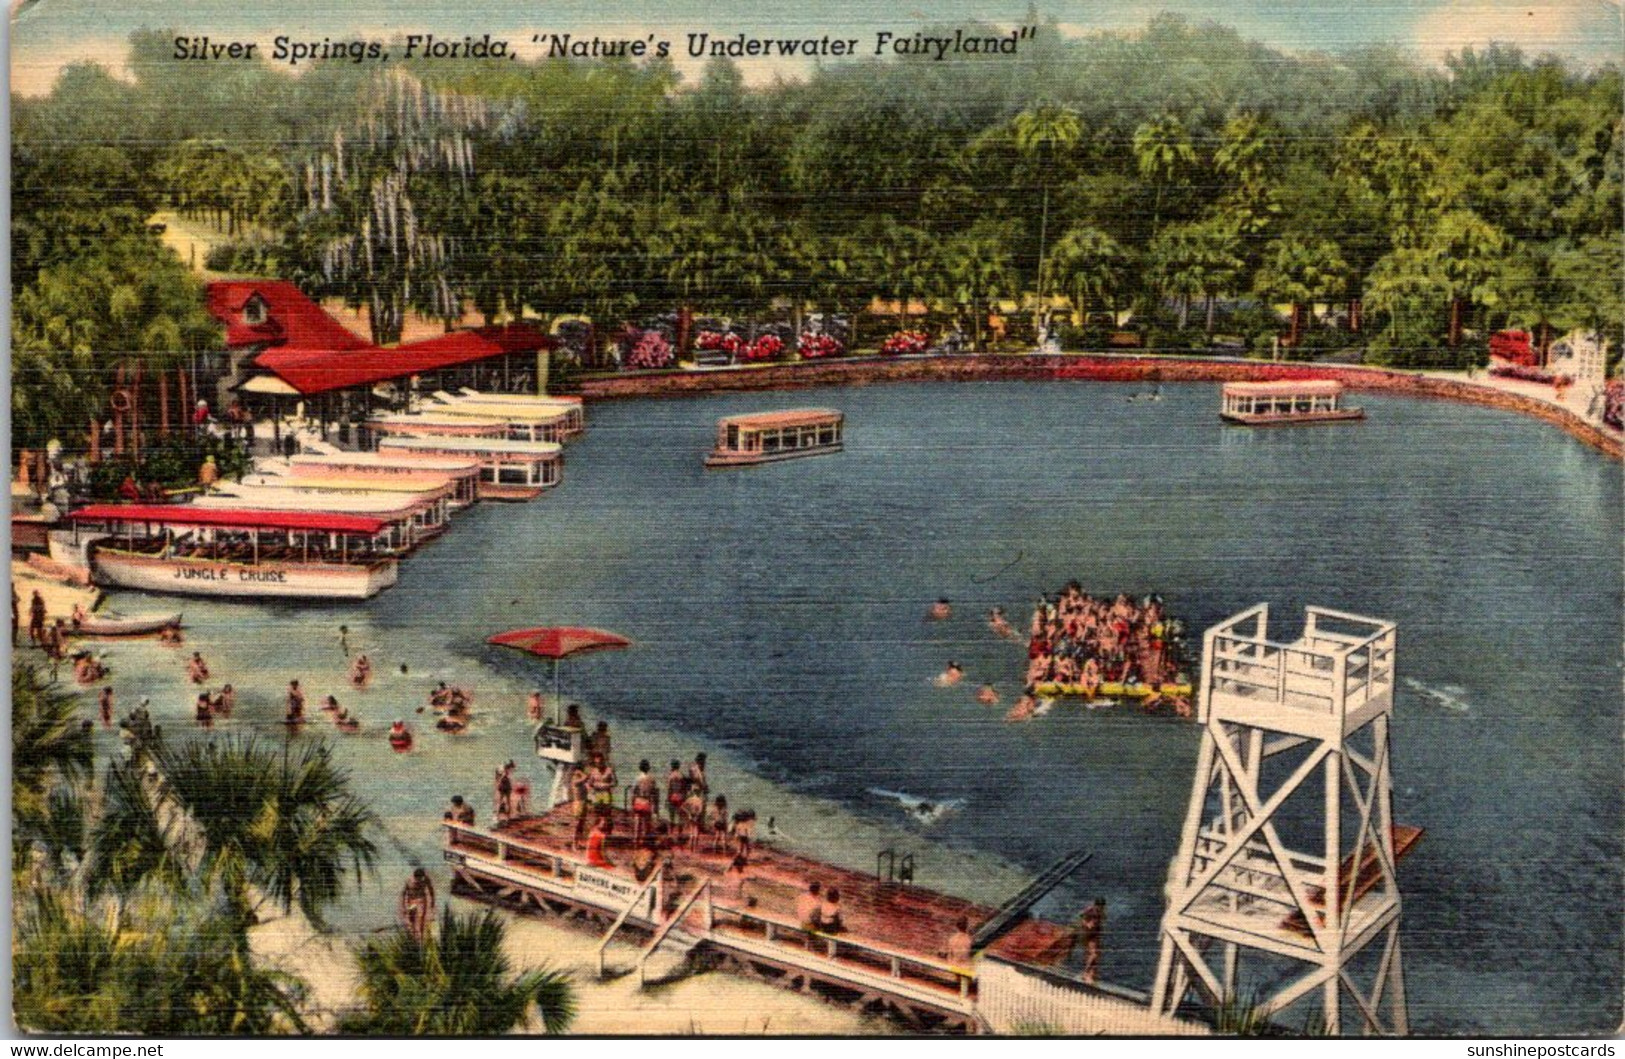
941	610
1000	626
987	696
1024	708
951	676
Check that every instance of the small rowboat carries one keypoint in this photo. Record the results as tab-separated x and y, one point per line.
134	625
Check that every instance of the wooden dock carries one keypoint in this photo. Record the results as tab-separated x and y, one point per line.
890	958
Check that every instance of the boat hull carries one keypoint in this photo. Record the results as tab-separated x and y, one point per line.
750	459
132	626
495	491
1344	415
205	577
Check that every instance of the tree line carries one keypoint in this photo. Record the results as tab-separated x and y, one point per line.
1181	173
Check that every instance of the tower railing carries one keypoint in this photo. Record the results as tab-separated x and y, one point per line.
1341	663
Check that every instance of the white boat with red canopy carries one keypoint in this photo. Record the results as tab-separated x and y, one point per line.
509	470
413	519
237	552
463	471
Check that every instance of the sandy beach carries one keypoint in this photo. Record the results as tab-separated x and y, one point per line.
674	1003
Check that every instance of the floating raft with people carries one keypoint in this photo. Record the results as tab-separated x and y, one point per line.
1124	692
889	956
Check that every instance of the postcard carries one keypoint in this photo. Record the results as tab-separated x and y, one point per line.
817	520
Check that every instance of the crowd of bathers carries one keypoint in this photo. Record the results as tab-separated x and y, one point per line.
1077	639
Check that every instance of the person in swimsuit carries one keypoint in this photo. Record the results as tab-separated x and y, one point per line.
533	706
595	844
645	797
941	610
204	711
578	802
104	705
1087	936
296	702
951	676
987	696
417	905
197	669
829	913
676	792
461	811
808	904
958	951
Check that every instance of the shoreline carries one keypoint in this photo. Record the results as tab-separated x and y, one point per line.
1092	367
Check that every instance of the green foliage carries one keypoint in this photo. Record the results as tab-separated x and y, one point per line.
1210	166
172	462
457	982
50	747
147	968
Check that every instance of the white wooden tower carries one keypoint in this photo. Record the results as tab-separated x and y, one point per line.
1284	891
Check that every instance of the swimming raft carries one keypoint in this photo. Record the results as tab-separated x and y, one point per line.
1127	692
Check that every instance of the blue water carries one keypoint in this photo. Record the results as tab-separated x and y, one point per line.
779	620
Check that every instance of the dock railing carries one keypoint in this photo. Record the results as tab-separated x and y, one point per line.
1341	663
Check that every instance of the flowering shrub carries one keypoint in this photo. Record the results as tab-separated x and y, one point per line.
650	350
1528	374
726	341
817	347
1513	346
901	342
1613	408
766	347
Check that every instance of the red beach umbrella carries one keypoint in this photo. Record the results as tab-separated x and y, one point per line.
554	642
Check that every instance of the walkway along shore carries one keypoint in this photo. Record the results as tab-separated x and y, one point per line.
1482	390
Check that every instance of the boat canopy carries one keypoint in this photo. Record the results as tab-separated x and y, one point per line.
527	415
1285	388
383	459
792	417
422	488
231	518
437	418
492	446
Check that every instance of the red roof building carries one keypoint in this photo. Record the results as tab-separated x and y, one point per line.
297	340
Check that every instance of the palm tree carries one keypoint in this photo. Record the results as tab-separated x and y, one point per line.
1045	130
1090	264
457	981
1469	251
49	746
1299	272
284	822
1162	148
150	967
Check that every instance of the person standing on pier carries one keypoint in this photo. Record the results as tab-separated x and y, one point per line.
595	844
676	792
601	784
208	474
417	905
696	778
645	795
958	951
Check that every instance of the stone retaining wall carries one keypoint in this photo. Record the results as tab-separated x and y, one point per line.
864	370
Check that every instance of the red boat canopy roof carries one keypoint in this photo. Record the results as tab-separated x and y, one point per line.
232	518
312	371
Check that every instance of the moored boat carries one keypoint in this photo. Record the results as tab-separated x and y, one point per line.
412	519
463	471
509	470
1262	404
766	437
436	423
524	422
575	420
237	552
127	625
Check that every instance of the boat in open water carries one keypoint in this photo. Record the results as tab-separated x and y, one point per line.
1290	403
187	549
767	437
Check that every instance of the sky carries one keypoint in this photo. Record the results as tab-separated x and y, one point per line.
48	34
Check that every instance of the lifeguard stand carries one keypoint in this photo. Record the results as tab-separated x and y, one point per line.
1289	848
563	747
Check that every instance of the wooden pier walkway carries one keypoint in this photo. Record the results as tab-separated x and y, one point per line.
891	956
